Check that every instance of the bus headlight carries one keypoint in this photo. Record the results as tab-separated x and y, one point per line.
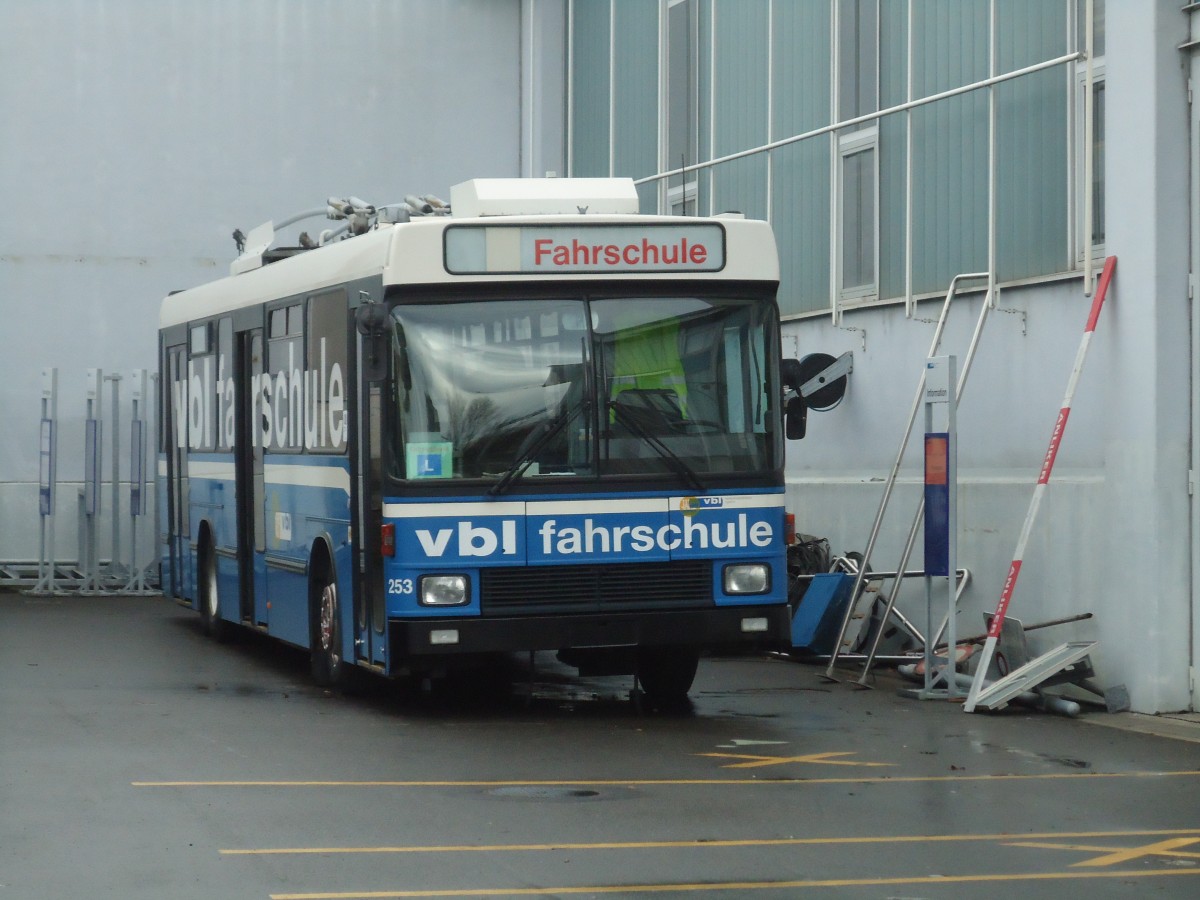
747	578
444	590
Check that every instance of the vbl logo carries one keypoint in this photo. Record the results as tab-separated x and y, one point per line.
689	506
473	540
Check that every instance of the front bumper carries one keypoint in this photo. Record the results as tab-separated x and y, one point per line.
713	628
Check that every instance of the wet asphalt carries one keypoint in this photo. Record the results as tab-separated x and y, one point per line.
138	759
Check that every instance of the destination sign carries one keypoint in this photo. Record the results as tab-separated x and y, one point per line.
576	249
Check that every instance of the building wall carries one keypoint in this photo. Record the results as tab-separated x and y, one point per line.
1113	534
136	135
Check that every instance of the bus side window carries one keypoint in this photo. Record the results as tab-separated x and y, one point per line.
327	338
284	388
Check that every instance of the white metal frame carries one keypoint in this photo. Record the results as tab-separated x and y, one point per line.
1193	72
1082	169
862	141
1087	71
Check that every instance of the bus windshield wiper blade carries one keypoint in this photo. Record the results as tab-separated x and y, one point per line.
521	463
672	459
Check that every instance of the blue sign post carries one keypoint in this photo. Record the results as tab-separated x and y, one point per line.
941	521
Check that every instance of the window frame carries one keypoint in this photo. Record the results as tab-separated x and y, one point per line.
863	141
848	92
1084	231
292	307
1080	239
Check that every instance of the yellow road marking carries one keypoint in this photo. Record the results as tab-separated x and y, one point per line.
822	758
1114	855
1162	848
735	885
740	842
672	782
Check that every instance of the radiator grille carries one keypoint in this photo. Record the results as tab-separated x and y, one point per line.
596	588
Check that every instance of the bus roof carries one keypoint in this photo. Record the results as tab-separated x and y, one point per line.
497	248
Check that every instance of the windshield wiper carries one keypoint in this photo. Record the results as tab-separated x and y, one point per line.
549	431
672	459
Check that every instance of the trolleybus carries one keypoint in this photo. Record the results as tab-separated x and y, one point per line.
530	420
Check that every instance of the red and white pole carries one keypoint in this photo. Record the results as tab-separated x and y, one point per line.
1060	425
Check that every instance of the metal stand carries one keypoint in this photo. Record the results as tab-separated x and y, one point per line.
137	481
47	479
48	575
890	482
115	572
89	494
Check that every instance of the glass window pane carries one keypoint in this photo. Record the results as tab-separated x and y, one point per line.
283	383
326	424
681	85
225	405
1097	26
199	339
858	220
470	406
858	57
683	381
590	114
660	386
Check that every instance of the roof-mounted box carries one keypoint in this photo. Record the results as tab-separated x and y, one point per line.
543	196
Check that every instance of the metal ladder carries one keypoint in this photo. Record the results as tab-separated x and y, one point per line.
857	589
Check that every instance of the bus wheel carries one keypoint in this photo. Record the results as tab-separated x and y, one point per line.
327	665
666	675
208	600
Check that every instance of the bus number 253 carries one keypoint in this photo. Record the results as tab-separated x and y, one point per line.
400	586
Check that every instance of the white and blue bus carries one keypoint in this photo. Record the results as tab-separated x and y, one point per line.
532	420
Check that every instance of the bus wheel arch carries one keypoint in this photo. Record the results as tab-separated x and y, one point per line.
324	617
207	594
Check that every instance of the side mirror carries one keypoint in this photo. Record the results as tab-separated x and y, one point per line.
818	381
821	379
795	411
790	375
373	323
371	319
795	418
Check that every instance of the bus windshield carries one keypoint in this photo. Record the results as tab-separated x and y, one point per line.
590	387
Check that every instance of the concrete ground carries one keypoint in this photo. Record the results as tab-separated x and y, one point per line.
140	760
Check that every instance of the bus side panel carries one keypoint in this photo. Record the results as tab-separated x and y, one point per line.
307	502
288	616
211	507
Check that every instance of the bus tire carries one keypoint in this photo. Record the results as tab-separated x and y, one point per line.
328	667
666	675
208	599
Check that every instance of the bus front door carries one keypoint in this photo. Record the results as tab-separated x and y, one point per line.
248	456
370	616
